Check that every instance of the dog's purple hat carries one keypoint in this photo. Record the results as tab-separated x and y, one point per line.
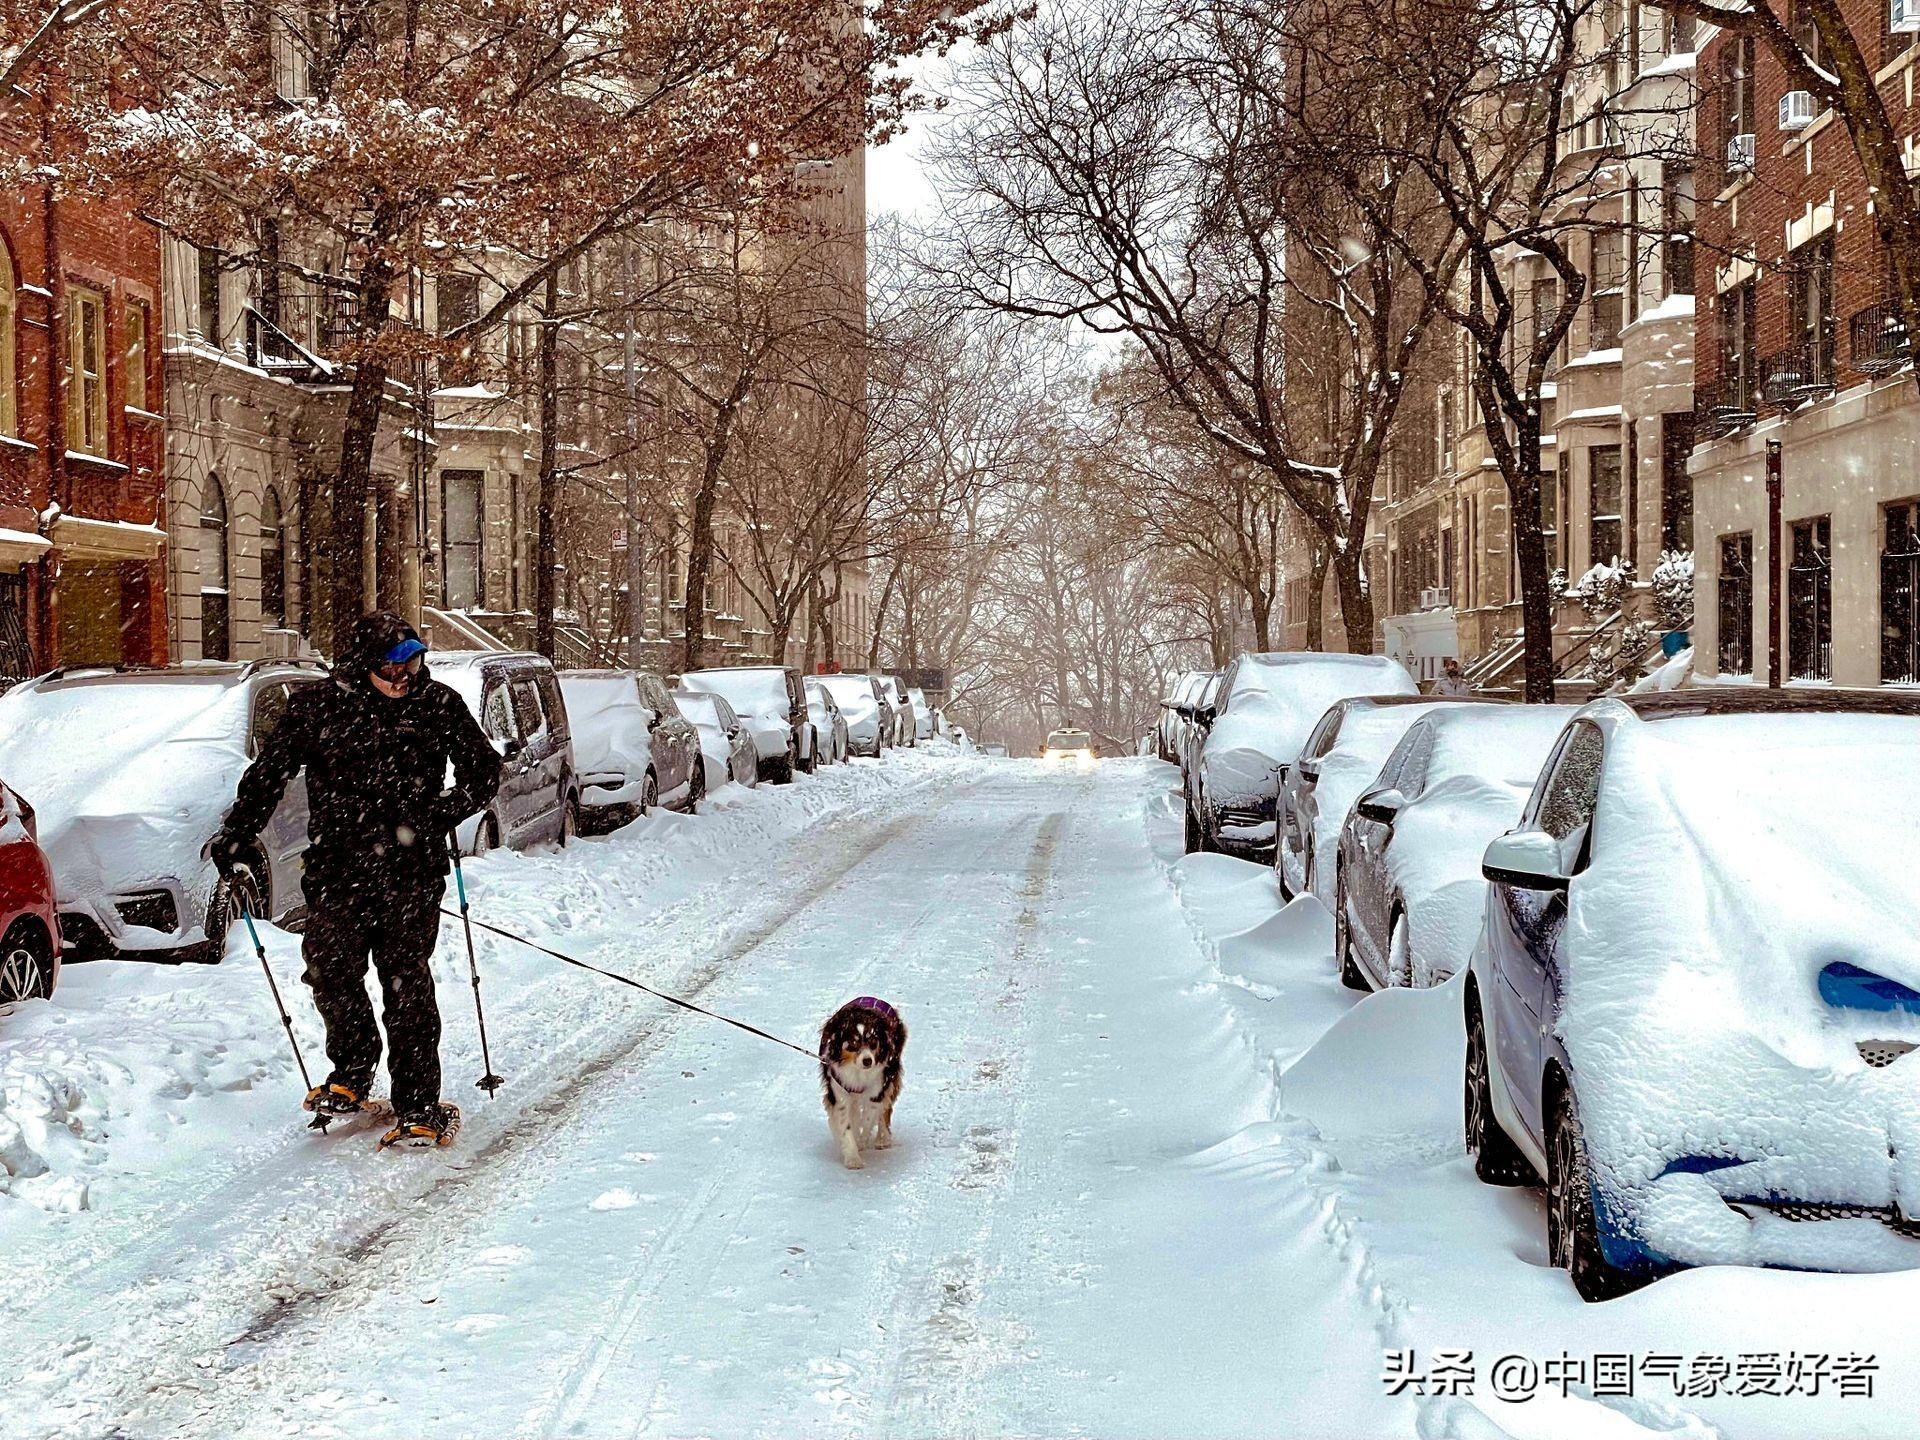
868	1002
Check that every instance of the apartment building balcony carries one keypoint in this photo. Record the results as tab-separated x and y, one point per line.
1795	375
1878	343
1727	403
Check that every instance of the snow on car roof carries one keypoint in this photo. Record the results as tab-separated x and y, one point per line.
1493	742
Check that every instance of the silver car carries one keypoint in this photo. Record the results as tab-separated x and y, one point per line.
131	771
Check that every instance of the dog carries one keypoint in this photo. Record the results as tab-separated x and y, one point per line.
861	1048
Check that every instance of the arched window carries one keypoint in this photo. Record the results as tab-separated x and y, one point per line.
216	637
9	408
273	563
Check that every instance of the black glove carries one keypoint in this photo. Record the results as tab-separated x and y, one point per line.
228	852
448	813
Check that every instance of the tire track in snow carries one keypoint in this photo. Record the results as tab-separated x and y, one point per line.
206	1344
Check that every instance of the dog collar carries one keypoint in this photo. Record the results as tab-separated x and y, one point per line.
868	1002
835	1072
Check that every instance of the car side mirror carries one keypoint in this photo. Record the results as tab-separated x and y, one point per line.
1527	860
1382	806
1280	773
1310	770
1204	716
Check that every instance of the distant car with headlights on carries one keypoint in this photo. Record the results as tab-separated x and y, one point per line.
1068	747
1695	1003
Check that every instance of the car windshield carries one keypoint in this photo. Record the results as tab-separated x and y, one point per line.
1069	740
848	689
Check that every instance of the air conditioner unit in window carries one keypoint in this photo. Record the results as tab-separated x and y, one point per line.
1434	598
1903	16
1740	154
1796	110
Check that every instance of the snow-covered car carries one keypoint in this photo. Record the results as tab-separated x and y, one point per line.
862	705
1340	759
772	703
828	723
925	722
631	748
906	725
29	912
1068	747
1408	892
1267	705
1196	713
994	751
130	772
516	698
1173	719
726	747
1695	1004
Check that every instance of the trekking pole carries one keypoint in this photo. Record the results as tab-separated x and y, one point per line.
320	1122
488	1082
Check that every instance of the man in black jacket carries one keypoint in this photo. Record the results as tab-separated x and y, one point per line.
376	743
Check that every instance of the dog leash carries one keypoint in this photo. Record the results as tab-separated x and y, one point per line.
629	980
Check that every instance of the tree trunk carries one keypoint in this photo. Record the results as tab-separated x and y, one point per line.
546	557
700	562
1356	599
353	485
880	616
1536	600
823	617
1320	554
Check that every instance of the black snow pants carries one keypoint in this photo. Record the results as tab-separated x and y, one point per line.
397	928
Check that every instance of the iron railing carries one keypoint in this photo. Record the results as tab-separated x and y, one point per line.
1800	372
1878	342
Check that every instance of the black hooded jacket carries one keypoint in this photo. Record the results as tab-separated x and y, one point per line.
378	806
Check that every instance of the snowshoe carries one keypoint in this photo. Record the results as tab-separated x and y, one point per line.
334	1099
434	1127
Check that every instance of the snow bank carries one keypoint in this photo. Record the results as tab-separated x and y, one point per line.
1734	859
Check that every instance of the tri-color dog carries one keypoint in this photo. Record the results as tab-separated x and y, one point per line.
860	1053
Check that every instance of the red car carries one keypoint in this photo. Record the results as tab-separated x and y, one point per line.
29	930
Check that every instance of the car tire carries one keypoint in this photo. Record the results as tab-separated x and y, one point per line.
811	762
1496	1159
1351	975
569	821
486	835
697	786
223	909
1573	1228
1192	830
26	963
649	794
780	772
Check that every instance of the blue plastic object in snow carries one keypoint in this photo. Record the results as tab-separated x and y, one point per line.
1673	642
1848	987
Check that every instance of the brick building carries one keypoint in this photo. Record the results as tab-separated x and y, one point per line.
1799	346
81	434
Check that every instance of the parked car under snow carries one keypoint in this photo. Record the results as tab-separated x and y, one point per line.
1340	759
130	772
772	704
1696	1002
1408	892
1267	705
631	748
868	715
727	750
828	723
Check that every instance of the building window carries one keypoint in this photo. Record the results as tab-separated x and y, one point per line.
460	515
216	637
1892	42
1736	604
1680	33
1604	528
1810	312
1550	516
1810	600
273	562
457	302
1900	595
86	371
1736	88
1739	348
208	275
1609	279
1676	485
134	370
1676	225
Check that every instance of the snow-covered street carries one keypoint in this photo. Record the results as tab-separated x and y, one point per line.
1157	1173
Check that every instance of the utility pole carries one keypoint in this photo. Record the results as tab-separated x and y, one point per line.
1774	567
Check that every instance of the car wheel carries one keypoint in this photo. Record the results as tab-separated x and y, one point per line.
811	762
697	786
649	794
486	835
569	822
1496	1159
1573	1230
780	772
1351	975
26	964
1192	827
224	909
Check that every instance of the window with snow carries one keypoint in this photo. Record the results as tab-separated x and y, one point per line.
1605	528
86	371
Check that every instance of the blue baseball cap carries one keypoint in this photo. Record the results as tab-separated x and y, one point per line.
404	651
